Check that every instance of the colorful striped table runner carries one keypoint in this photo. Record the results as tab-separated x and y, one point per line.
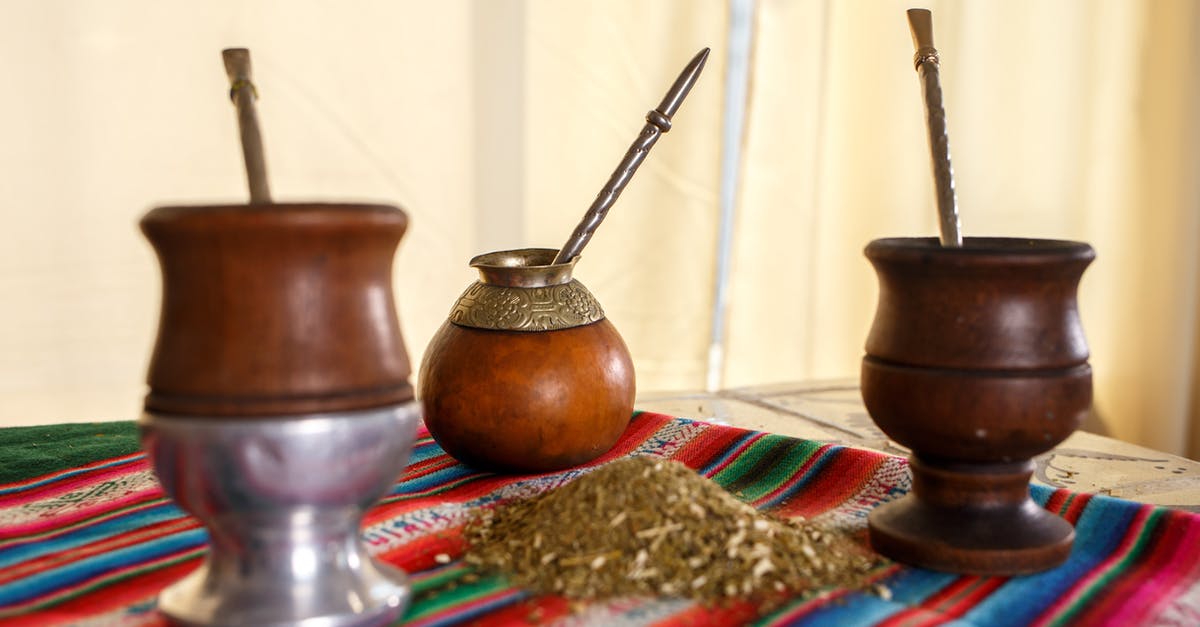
92	543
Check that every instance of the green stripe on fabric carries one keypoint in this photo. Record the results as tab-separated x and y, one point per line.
69	594
766	465
1116	570
1066	505
454	592
106	516
425	584
35	451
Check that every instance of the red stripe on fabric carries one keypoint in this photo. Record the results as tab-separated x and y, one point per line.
640	430
458	490
916	617
822	454
427	467
86	513
462	489
807	607
842	477
421	554
1083	584
469	488
1076	507
705	616
72	483
136	589
709	444
110	591
61	559
913	617
970	596
473	487
1057	499
464	608
420	445
1172	548
58	531
1173	551
950	591
731	456
72	471
535	611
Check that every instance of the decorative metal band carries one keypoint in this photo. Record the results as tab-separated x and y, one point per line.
926	55
547	308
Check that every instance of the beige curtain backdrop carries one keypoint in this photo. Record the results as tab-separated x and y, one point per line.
495	122
1067	120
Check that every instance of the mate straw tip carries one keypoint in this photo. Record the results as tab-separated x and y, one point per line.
682	85
243	94
237	63
920	22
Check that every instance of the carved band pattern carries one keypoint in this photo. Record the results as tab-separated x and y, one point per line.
548	308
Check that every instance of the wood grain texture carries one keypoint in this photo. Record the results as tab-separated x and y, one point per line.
276	310
977	363
997	304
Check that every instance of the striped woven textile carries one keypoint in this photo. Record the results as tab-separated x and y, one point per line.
93	544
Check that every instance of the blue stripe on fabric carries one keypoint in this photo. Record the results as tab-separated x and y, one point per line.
56	579
855	609
823	460
912	586
445	478
458	616
424	450
729	452
118	525
1099	532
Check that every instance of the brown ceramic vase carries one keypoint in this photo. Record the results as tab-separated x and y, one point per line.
280	309
976	362
527	375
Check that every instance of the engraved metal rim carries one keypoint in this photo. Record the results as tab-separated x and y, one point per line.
548	308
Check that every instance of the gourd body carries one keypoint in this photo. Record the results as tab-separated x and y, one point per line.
527	374
521	401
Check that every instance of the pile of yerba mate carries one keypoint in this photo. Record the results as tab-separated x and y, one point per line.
647	526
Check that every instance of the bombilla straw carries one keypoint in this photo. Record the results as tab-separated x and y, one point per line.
243	94
926	60
658	121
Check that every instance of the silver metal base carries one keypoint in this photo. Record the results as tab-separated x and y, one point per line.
283	499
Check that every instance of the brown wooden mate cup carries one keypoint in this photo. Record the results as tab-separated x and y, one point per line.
976	362
527	375
279	407
278	309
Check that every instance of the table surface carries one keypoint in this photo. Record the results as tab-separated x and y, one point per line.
95	544
832	411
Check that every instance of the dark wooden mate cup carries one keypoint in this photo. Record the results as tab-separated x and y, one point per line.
976	362
276	309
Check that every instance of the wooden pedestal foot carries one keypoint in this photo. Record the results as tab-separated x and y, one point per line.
976	519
